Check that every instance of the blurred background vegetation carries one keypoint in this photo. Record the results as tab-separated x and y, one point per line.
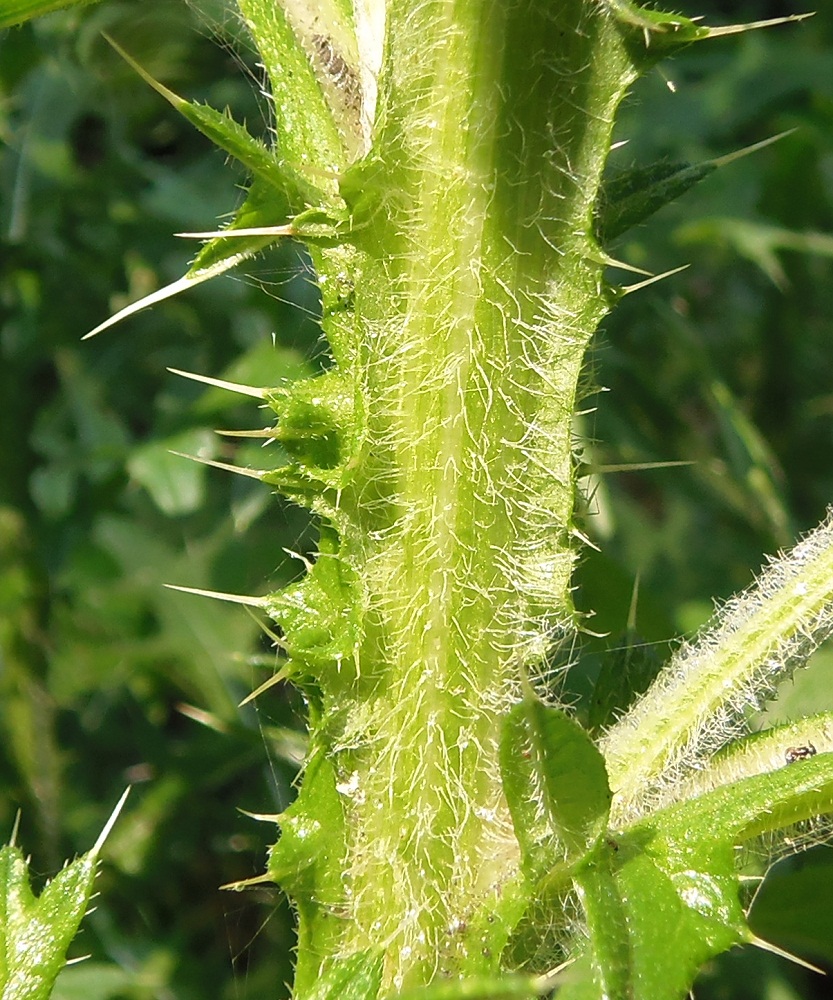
107	679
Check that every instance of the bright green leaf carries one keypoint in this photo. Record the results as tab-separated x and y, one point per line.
509	987
307	861
35	933
355	978
542	751
306	129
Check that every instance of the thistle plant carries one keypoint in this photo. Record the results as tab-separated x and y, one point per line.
457	833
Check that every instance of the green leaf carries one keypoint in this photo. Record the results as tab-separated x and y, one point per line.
320	618
678	916
308	861
304	124
542	750
357	977
627	671
757	805
663	897
675	872
36	932
633	195
656	910
655	914
278	174
17	11
508	987
654	34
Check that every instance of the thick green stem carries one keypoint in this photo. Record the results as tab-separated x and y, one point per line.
478	287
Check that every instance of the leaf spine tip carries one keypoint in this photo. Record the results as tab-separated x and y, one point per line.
219	595
281	675
219	383
108	826
595	470
775	950
261	432
736	29
214	234
613	262
167	292
246	883
207	719
225	466
174	99
81	958
722	161
261	817
628	289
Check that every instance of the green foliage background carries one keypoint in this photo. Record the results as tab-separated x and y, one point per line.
726	366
